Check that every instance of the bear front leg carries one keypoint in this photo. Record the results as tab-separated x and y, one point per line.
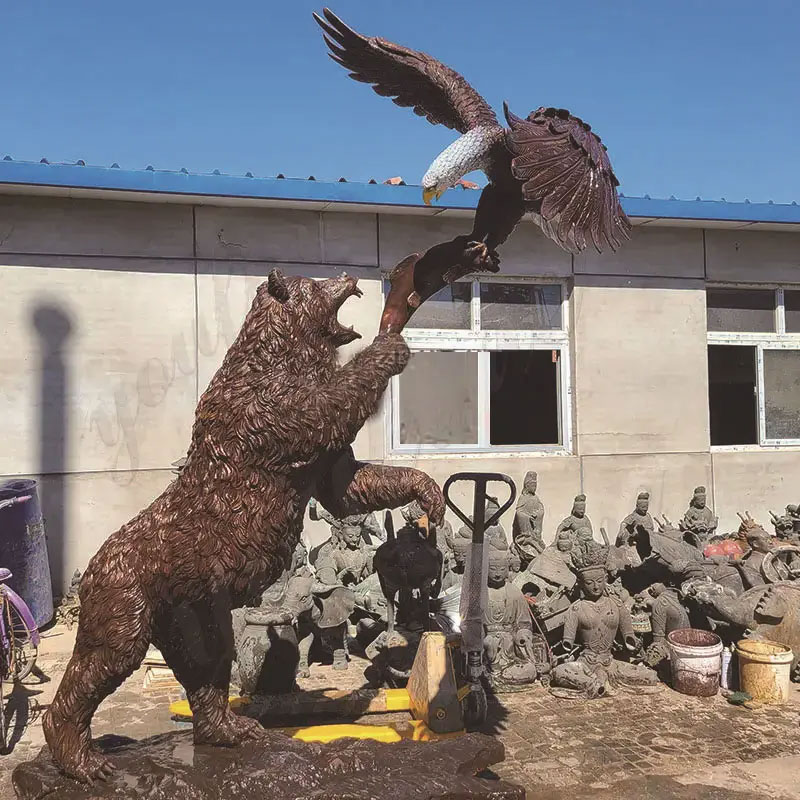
357	487
333	413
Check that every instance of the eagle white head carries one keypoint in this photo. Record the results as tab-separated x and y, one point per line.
467	153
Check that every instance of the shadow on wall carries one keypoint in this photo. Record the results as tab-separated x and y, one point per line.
53	327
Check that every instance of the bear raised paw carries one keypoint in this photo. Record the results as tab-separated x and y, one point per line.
273	428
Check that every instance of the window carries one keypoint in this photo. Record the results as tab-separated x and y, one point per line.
754	366
490	371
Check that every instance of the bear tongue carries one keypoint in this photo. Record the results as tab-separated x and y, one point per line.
343	335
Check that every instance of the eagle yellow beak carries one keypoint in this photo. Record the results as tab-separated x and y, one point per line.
431	194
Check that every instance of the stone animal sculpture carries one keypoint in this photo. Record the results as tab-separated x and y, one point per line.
551	164
273	428
69	606
770	612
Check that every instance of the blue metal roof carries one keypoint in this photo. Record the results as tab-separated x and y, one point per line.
80	176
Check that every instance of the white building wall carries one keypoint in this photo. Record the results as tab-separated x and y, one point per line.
117	314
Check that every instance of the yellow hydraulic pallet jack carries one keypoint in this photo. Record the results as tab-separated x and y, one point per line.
445	693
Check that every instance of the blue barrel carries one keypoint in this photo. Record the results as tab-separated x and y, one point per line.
23	548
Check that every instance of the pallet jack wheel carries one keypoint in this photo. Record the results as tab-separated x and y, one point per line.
474	708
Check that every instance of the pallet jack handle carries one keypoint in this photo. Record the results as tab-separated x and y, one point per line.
478	523
474	704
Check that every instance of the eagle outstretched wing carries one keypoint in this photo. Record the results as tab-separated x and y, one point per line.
410	78
567	179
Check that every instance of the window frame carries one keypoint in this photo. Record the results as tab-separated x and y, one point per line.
484	342
779	339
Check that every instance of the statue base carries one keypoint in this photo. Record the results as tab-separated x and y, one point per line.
170	766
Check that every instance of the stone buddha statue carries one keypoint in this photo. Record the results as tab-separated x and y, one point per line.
699	522
509	643
348	563
592	627
526	530
577	523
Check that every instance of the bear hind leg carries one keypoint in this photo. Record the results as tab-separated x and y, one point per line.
96	669
197	645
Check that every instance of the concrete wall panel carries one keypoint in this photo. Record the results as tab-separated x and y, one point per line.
350	238
286	235
752	256
664	252
94	227
758	482
82	510
527	252
98	366
611	484
269	234
641	368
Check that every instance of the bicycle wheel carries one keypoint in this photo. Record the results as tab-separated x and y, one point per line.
23	651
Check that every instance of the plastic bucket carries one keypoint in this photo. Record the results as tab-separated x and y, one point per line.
764	670
23	548
695	660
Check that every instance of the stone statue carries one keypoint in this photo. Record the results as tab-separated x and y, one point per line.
591	628
638	518
667	614
265	635
273	428
369	527
325	623
69	606
348	563
267	650
699	522
495	535
637	522
759	543
509	649
787	526
526	532
549	581
770	612
577	523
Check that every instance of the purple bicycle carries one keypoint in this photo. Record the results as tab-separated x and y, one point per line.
19	634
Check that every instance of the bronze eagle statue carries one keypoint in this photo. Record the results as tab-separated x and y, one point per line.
550	164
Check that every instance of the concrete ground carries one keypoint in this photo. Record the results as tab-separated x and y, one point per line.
659	746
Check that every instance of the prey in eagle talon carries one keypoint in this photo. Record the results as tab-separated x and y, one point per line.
485	260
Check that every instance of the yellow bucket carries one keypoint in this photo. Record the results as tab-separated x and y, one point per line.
764	670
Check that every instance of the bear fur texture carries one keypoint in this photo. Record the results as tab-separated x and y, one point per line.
273	428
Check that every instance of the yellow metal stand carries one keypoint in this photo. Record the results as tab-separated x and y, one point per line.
432	697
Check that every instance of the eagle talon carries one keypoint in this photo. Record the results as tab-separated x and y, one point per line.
481	257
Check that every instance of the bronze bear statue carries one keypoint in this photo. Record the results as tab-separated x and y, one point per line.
273	428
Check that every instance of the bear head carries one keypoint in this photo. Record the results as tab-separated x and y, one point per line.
302	312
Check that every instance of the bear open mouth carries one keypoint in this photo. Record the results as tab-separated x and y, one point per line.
340	289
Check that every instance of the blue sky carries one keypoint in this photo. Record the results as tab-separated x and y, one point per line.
691	98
